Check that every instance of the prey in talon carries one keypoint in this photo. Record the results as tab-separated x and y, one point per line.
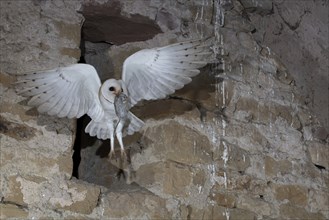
121	107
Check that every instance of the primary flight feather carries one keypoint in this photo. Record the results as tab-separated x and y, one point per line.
148	74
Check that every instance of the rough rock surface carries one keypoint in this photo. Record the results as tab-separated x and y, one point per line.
298	33
239	142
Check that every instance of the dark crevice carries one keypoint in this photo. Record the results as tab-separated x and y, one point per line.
320	167
76	157
77	148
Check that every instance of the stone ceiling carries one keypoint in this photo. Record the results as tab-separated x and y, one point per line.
105	23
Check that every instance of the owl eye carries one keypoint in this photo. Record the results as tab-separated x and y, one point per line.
111	88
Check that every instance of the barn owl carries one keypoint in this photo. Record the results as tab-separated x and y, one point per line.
148	74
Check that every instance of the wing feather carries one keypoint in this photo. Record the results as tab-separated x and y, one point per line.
82	108
68	103
74	109
70	91
58	108
155	73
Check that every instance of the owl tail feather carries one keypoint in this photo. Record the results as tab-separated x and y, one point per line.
135	124
103	130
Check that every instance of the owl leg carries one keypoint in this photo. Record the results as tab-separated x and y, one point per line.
119	136
112	144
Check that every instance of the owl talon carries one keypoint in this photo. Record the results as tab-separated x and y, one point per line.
123	153
111	154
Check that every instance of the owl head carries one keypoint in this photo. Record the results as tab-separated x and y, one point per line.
112	88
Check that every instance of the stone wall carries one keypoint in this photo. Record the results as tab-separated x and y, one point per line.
298	33
237	143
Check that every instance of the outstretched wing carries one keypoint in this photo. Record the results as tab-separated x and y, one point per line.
155	73
65	92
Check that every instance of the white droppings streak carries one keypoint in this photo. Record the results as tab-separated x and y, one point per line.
225	159
224	127
214	137
200	189
225	154
269	51
219	16
225	180
223	93
212	169
194	147
227	213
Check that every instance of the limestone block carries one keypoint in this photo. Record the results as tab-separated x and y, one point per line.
236	22
199	177
29	162
320	133
209	212
88	200
319	153
235	182
117	55
58	194
173	141
227	200
221	213
149	174
273	167
246	136
318	200
256	205
16	130
232	157
239	183
212	99
204	92
167	108
241	214
295	194
135	204
11	211
264	113
177	180
294	212
14	193
246	40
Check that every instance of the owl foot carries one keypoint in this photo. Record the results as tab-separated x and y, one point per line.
111	154
123	153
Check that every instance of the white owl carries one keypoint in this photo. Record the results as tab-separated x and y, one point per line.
148	74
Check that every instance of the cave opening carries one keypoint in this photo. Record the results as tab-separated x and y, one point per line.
103	27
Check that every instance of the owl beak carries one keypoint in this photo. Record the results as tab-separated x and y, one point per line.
117	93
